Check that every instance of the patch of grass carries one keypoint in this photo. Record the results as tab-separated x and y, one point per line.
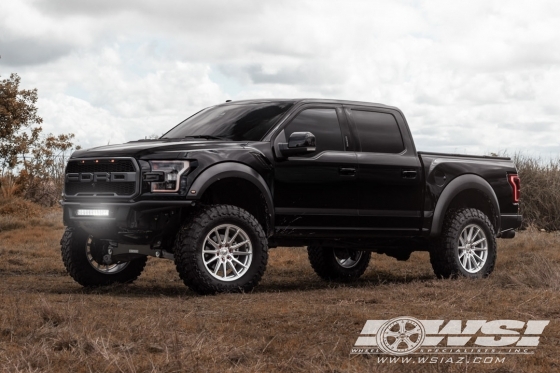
292	322
8	223
18	213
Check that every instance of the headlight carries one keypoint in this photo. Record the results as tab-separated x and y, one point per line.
170	175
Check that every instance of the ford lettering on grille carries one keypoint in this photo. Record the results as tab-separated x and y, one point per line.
101	178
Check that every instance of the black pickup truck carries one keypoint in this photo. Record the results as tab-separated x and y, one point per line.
222	187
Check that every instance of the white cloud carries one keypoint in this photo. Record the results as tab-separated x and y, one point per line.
475	76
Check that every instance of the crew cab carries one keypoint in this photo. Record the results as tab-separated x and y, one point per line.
233	180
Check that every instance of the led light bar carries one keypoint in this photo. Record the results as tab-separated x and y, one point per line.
92	212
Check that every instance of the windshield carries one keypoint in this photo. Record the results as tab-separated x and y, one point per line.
238	122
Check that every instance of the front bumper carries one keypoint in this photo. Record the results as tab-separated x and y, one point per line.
137	221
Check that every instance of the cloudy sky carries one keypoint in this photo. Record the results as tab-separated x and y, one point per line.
473	76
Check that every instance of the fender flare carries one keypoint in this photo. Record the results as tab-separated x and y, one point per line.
234	170
456	186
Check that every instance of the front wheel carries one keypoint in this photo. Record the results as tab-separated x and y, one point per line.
338	264
223	249
467	246
82	255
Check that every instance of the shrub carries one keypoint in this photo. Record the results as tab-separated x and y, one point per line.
540	191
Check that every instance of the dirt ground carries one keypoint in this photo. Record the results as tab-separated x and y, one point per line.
292	322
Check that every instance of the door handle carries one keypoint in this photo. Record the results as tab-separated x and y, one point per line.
347	171
408	174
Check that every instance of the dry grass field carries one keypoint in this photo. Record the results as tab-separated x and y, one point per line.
292	322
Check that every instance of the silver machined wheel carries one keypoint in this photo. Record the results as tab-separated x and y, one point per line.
107	269
473	248
347	258
227	252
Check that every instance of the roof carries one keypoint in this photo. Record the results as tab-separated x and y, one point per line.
308	100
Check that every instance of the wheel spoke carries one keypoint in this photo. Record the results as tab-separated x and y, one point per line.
469	236
225	269
233	268
409	343
472	263
211	260
238	262
479	258
390	333
479	241
234	236
416	330
240	244
216	235
476	233
213	243
217	267
226	235
396	343
241	253
462	254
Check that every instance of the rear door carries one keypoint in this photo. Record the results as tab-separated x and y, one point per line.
389	172
317	193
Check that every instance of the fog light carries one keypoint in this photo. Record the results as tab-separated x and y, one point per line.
92	212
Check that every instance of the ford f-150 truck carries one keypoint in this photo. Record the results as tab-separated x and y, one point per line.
222	187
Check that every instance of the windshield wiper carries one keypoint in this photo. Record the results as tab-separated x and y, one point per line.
207	137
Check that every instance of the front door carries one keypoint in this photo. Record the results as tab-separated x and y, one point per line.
317	193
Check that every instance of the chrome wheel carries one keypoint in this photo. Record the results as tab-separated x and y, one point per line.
347	258
107	269
227	252
473	248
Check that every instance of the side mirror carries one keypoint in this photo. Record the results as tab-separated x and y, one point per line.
298	143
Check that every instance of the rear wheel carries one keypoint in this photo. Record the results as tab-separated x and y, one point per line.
338	264
467	246
82	255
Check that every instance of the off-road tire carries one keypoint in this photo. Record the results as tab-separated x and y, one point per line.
444	252
325	264
189	245
73	247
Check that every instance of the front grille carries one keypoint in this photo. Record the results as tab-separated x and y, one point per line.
101	178
104	165
120	189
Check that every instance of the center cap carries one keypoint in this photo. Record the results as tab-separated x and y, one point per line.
223	251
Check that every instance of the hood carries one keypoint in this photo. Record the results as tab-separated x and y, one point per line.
172	148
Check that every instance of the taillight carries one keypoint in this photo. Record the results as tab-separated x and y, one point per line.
516	185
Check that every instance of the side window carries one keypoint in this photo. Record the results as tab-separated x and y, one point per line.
323	123
378	132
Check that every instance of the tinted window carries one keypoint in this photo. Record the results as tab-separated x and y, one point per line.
378	132
323	123
238	122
